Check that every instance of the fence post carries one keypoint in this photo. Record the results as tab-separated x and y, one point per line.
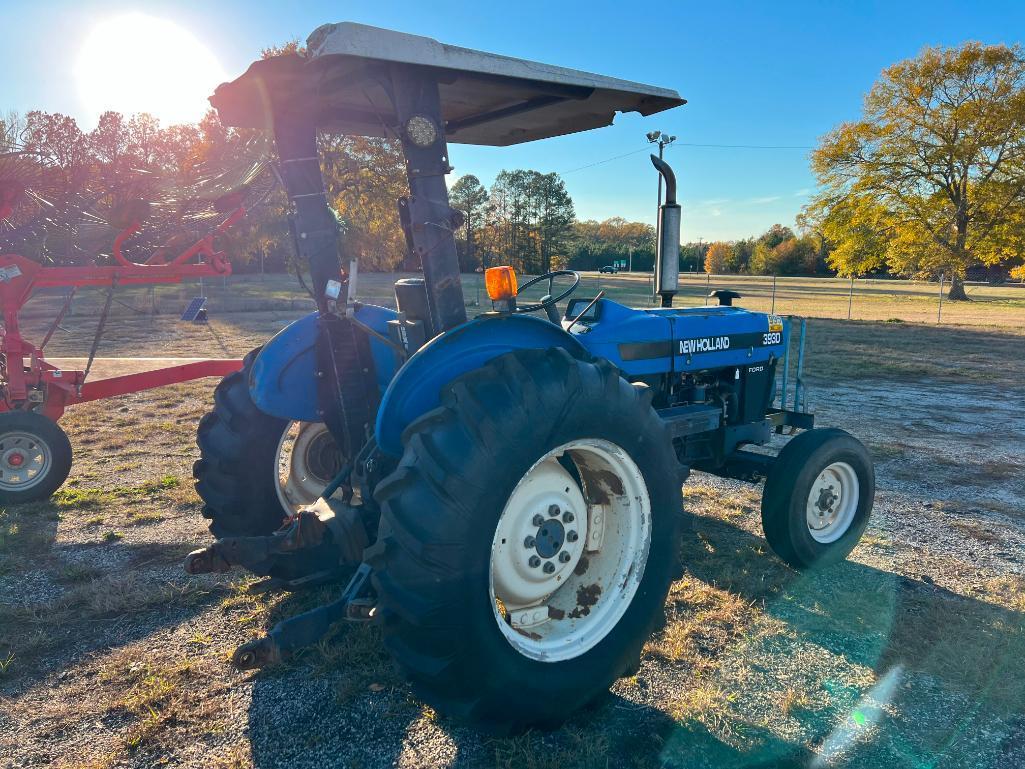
773	309
939	311
708	286
850	299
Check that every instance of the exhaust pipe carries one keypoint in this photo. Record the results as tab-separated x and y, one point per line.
667	258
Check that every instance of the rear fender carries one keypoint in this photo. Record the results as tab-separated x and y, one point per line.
416	389
283	381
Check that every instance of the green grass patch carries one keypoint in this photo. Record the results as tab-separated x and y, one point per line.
90	498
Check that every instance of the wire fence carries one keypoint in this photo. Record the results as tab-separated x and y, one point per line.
860	300
864	299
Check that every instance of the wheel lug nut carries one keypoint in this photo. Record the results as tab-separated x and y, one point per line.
571	536
564	556
568	517
549	567
538	519
534	562
553	510
529	542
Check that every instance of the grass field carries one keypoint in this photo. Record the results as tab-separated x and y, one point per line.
909	655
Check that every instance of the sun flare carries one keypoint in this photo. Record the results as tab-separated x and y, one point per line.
139	63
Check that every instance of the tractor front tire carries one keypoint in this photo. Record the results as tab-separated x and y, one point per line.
35	457
818	498
528	539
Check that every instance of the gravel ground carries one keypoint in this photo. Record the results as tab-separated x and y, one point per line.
908	655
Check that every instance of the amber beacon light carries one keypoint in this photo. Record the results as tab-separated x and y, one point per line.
500	283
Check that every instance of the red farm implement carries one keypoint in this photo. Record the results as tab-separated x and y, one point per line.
35	454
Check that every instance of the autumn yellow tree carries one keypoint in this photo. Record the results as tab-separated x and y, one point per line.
718	258
931	179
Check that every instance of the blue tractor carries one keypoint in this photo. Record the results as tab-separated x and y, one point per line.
503	492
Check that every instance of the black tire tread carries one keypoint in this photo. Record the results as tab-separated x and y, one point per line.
420	555
233	441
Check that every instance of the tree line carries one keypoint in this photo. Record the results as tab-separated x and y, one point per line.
91	176
525	219
930	180
777	251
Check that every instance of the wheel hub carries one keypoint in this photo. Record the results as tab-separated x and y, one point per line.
550	538
826	500
552	600
832	502
323	459
24	461
547	546
306	460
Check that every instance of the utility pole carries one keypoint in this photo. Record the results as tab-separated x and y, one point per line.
663	140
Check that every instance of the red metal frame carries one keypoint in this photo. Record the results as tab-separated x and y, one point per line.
27	380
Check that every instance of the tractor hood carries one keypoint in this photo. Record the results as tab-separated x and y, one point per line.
485	98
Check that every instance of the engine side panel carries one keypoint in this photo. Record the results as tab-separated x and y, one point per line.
684	339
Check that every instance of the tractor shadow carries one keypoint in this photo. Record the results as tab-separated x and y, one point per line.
928	650
299	717
342	703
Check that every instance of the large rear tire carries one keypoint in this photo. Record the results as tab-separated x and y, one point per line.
540	472
255	470
236	474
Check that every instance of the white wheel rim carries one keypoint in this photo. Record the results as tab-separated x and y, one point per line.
24	461
303	463
555	596
832	502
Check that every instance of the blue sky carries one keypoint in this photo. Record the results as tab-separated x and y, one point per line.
769	73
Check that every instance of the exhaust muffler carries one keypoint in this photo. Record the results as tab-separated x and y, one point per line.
667	257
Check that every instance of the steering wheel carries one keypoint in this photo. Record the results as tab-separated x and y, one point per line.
549	301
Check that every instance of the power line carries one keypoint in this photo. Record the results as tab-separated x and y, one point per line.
751	146
606	160
693	144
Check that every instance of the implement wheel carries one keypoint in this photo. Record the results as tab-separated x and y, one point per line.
528	539
818	498
35	457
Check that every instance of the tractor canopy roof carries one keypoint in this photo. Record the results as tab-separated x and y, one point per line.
342	81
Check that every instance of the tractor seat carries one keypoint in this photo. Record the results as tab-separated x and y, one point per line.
725	296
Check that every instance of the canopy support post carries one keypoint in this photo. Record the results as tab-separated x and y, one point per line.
431	219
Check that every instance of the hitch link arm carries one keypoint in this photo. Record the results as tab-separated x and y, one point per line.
302	630
309	527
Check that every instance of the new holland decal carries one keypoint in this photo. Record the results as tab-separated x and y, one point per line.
704	344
